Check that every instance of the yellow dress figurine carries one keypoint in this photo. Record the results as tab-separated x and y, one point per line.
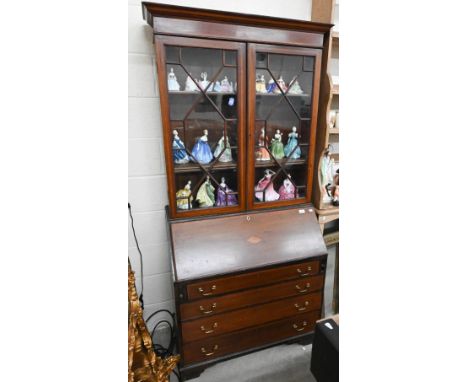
260	85
184	197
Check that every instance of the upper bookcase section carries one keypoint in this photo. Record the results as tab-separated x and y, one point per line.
205	23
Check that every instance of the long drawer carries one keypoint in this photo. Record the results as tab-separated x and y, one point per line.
249	338
214	305
243	318
217	286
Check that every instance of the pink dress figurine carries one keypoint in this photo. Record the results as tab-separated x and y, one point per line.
287	190
262	153
265	187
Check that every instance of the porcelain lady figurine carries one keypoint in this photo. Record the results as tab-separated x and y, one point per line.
178	149
204	83
272	88
190	85
265	187
225	196
295	88
226	87
260	85
184	197
205	194
262	153
226	155
282	85
217	87
202	151
326	174
172	84
277	148
335	191
287	190
293	144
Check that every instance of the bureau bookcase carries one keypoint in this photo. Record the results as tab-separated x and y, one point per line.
239	103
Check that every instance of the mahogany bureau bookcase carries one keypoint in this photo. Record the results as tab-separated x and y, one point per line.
239	104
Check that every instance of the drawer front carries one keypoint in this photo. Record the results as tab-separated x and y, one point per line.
243	318
217	286
210	348
214	305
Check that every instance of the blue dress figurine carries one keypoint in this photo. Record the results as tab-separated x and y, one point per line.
202	150
178	149
293	144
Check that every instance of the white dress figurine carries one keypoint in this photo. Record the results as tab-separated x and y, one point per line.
326	174
204	82
190	85
226	156
172	84
282	85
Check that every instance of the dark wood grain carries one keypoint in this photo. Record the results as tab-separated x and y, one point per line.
222	285
249	338
212	306
151	10
252	316
227	244
223	31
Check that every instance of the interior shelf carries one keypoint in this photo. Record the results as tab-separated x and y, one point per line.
334	130
194	167
279	94
184	92
283	162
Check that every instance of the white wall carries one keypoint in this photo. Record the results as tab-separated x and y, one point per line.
146	169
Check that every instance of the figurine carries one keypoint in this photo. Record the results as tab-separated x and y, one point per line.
335	190
282	85
226	156
226	87
277	148
184	197
217	87
264	190
190	85
204	83
292	147
271	88
260	85
205	194
287	190
262	153
172	84
225	196
332	119
326	178
202	151
178	149
294	87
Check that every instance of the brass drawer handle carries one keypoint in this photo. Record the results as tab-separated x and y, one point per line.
202	309
300	309
201	290
203	350
309	268
307	286
215	325
298	329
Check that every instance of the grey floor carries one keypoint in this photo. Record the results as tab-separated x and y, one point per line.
284	363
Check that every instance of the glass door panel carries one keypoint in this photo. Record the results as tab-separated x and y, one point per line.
205	124
283	91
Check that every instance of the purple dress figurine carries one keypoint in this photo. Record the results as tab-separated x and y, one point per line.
287	190
224	196
202	150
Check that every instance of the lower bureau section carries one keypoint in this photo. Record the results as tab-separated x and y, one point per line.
222	345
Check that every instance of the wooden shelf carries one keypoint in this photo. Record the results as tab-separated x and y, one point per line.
194	167
184	92
336	89
279	94
272	163
333	130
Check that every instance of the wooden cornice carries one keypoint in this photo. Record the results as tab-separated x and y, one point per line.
151	10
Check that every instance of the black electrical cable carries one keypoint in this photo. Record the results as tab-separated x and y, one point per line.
141	256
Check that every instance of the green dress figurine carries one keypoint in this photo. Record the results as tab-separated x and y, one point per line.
277	148
205	194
